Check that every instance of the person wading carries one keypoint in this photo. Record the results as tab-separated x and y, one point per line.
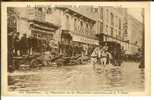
95	56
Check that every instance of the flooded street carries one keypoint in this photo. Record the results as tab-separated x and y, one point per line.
128	78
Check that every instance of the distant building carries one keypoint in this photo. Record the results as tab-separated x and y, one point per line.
135	34
112	24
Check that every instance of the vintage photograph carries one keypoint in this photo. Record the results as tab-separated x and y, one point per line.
75	49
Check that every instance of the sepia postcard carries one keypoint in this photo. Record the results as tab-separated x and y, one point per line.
81	48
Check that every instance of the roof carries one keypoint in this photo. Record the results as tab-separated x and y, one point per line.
77	13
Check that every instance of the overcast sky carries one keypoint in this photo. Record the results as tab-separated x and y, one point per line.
136	12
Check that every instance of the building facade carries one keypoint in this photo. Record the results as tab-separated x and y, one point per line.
116	25
135	33
78	26
112	24
62	24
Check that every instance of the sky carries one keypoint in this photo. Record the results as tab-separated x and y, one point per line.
135	12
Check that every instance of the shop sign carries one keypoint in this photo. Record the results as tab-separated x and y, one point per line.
84	40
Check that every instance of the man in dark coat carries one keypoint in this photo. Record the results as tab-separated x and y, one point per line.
24	44
16	43
32	44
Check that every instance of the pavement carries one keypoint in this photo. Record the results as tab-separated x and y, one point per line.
127	77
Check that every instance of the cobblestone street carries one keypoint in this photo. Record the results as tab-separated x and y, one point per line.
79	78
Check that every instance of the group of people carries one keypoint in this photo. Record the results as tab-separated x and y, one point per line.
17	46
24	45
101	55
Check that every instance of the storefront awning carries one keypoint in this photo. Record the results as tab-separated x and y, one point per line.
45	24
41	27
84	40
42	31
46	30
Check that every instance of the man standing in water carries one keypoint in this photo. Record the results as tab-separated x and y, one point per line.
95	56
101	56
105	55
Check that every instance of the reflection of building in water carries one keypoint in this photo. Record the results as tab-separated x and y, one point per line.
78	26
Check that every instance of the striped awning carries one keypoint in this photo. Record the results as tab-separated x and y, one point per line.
42	31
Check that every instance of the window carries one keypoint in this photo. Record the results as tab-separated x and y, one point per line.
116	32
81	27
112	18
40	9
119	33
49	11
116	21
106	29
90	28
102	13
75	20
107	15
87	25
119	23
75	24
101	27
67	22
106	26
67	17
81	23
111	31
87	28
95	10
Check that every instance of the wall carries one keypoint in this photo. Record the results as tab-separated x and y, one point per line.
135	31
77	25
112	27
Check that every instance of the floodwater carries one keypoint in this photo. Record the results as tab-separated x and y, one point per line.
127	78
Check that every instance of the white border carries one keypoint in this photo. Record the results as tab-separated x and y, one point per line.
123	4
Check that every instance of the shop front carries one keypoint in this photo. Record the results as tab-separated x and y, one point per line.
41	34
65	43
85	44
75	45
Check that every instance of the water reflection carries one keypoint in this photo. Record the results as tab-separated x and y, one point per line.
115	77
128	77
122	77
